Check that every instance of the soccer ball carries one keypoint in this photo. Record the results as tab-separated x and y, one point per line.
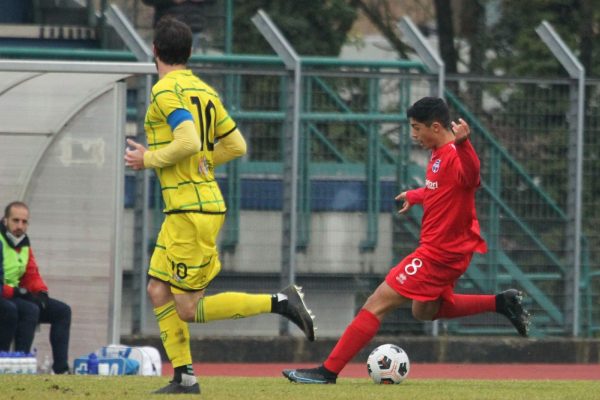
388	364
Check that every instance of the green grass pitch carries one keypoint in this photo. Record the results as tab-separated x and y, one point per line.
42	387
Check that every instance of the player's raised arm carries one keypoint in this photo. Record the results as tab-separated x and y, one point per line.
468	170
461	130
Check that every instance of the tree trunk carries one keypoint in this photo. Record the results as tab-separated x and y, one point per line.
445	28
586	35
475	34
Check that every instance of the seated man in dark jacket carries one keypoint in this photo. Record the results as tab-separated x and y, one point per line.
25	301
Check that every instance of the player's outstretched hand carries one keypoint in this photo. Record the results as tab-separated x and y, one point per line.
134	157
406	205
461	131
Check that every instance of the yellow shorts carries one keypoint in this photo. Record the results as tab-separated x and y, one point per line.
186	253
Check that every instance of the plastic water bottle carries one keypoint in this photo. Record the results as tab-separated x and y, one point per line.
34	361
18	363
11	366
92	364
3	362
30	363
45	367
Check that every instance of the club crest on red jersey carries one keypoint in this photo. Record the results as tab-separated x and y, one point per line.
436	166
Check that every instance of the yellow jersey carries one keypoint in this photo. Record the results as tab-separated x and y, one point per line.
189	185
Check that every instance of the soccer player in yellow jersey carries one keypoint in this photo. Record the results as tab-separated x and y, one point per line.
189	132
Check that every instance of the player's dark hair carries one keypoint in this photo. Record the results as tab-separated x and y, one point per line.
429	110
172	41
12	204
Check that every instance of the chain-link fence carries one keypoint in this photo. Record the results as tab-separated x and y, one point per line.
524	142
355	156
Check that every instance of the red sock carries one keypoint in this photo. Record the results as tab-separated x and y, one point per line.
360	332
467	304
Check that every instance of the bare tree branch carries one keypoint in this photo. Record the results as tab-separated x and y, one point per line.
380	15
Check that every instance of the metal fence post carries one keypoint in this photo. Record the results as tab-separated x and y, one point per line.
432	60
116	273
291	148
142	52
575	156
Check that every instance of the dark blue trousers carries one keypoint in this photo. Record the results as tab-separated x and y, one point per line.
19	319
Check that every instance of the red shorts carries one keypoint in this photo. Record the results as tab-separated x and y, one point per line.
420	277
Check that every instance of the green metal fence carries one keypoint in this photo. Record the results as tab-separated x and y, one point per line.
521	136
522	139
355	155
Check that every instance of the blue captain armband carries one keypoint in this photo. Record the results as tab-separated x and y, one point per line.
178	116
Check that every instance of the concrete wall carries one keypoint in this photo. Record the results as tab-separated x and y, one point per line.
333	248
419	349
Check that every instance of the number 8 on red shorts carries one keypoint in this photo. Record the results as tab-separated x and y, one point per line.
421	278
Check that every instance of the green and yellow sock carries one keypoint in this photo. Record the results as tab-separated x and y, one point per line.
232	305
174	334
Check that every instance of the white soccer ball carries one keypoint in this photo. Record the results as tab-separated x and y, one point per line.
388	364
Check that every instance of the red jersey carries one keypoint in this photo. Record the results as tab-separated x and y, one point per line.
449	228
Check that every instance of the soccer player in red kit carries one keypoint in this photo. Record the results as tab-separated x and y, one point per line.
449	237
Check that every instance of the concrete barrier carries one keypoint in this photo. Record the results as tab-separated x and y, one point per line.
420	349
